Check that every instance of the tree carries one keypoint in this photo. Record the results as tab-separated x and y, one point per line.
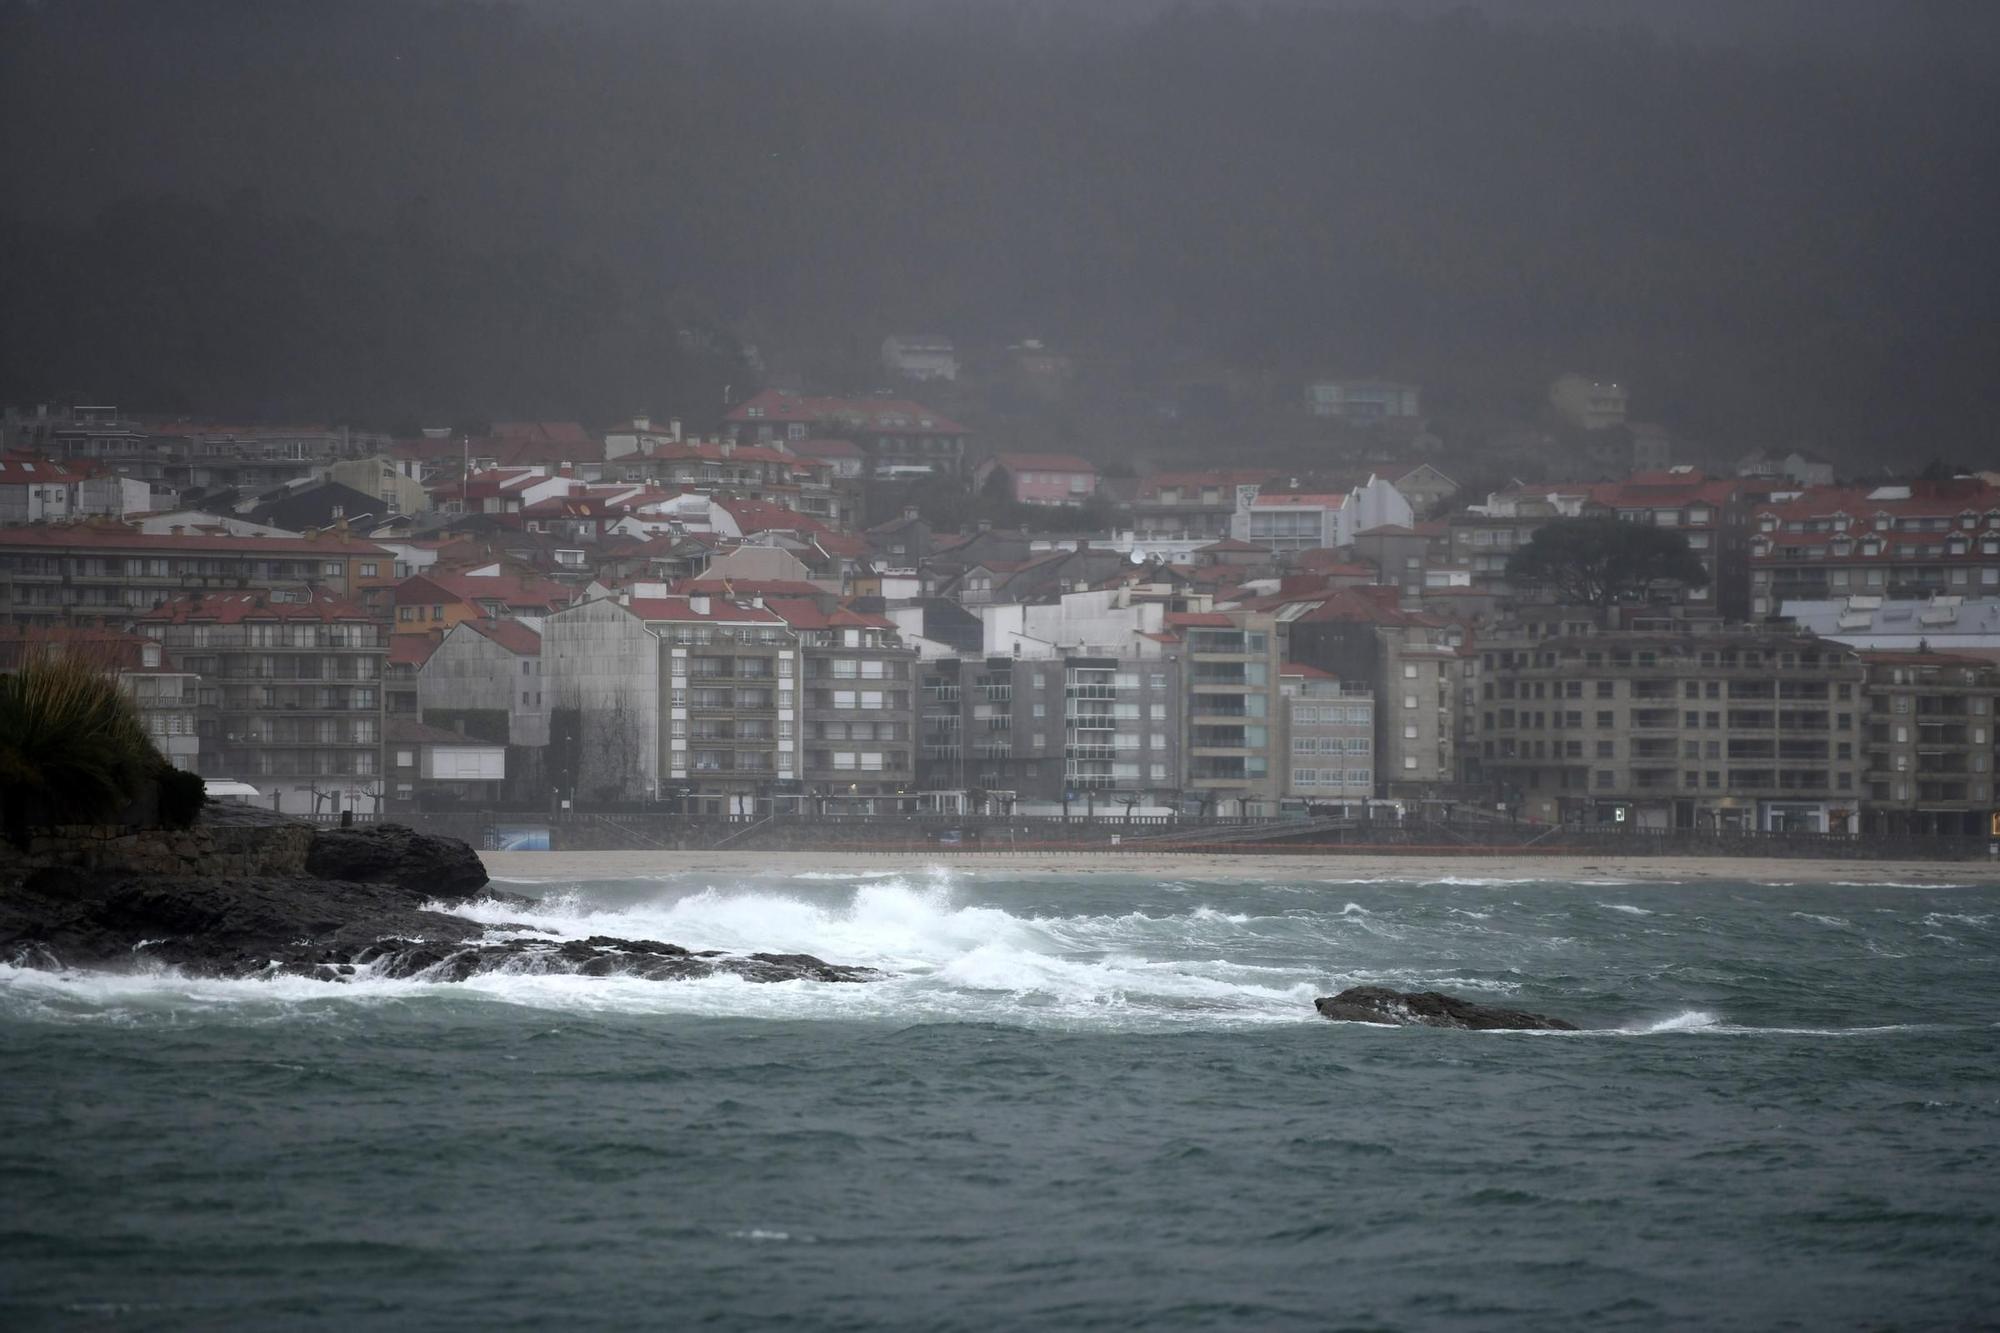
1600	561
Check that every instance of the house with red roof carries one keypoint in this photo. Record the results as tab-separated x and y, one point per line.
1040	479
1908	540
35	489
440	599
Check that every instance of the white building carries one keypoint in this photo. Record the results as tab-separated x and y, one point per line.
923	356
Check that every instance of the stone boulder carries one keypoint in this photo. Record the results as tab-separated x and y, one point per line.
1380	1005
444	869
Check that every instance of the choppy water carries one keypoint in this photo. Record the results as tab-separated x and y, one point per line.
1099	1103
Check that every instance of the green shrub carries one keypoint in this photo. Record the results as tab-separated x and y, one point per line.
182	795
72	750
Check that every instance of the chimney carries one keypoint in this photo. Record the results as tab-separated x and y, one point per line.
728	448
910	511
699	603
642	422
674	429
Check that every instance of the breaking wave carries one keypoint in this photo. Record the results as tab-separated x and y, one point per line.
1093	954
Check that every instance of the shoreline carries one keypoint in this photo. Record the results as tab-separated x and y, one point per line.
556	866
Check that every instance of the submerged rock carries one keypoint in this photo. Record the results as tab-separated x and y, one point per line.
1379	1004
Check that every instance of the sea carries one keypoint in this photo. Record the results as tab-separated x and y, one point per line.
1086	1102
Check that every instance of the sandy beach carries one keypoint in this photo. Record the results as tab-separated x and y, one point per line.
1666	870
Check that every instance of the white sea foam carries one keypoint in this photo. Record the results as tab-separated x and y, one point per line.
942	959
1687	1020
1833	922
1626	908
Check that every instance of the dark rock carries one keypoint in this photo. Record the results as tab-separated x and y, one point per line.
1379	1004
443	869
324	929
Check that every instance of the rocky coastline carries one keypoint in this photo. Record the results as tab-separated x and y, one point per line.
288	899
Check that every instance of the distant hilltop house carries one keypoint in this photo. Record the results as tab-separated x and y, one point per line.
1797	467
1364	401
1292	519
899	438
1041	479
923	356
1588	403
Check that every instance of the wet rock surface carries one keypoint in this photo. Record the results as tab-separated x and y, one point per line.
1385	1007
367	901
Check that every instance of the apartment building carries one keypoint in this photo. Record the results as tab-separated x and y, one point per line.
1234	706
1407	661
291	697
1364	401
1929	743
1097	731
1330	737
1588	403
178	457
857	747
104	573
695	699
1913	540
1672	725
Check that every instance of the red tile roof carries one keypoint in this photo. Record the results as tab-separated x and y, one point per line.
412	650
524	591
802	613
512	635
108	649
1200	619
19	469
764	516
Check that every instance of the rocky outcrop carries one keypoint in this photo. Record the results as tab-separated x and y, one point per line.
1379	1004
392	854
363	899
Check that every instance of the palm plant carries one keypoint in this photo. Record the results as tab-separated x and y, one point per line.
72	749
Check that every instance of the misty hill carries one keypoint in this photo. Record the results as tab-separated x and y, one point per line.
474	208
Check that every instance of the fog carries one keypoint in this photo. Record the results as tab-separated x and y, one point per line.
1773	221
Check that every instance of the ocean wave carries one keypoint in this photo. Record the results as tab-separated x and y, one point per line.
1832	922
1626	908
